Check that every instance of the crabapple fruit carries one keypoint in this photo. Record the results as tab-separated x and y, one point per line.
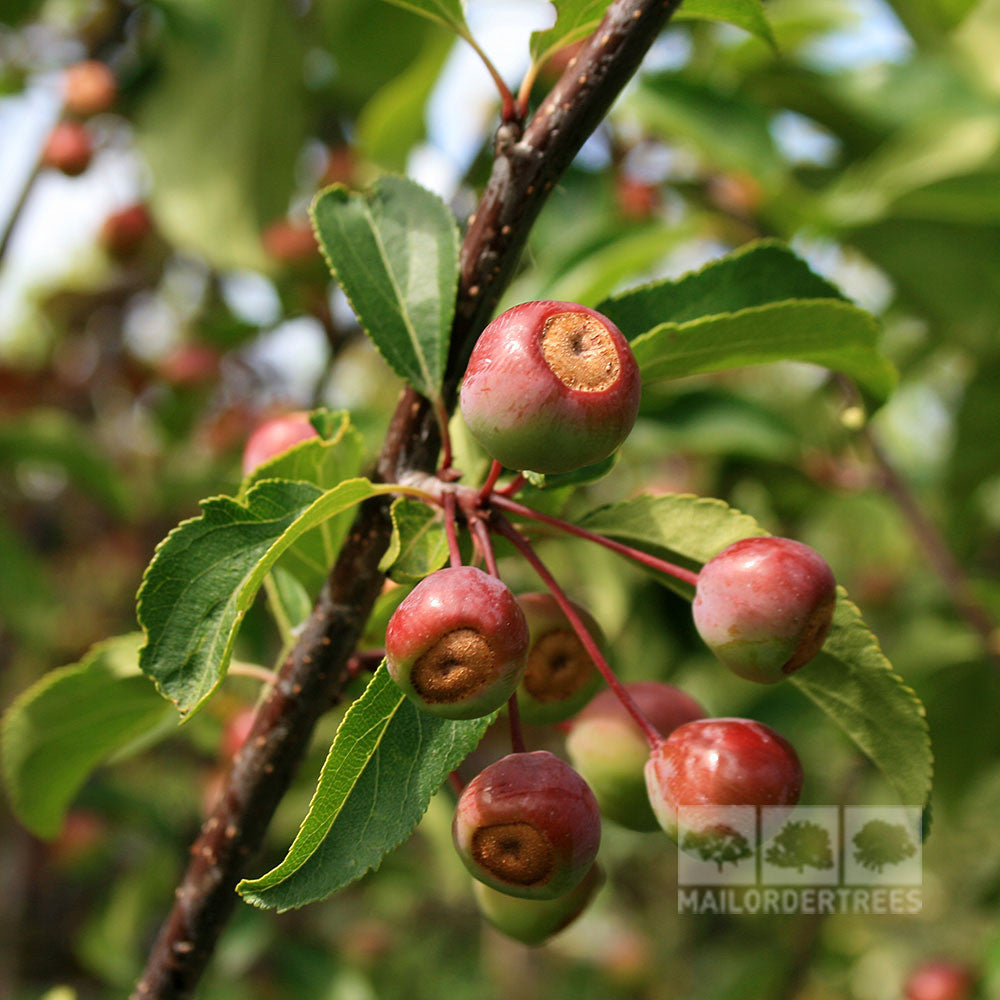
528	825
550	387
289	242
607	747
68	148
275	436
940	979
560	677
122	232
764	606
89	88
720	762
534	921
457	643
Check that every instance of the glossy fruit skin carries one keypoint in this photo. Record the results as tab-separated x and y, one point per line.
275	436
940	979
764	606
89	88
560	677
68	148
537	818
720	762
459	617
609	750
528	417
123	232
534	921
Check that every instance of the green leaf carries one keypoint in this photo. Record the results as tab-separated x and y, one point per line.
759	305
222	127
335	456
757	274
746	14
395	253
830	333
419	545
207	570
450	13
58	731
850	679
853	682
575	19
386	762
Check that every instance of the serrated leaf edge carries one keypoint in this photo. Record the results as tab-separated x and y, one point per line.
428	389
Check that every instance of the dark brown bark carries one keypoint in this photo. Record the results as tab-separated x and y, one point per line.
526	168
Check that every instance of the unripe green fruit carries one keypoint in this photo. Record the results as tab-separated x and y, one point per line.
534	921
610	751
764	606
457	643
550	387
560	677
528	826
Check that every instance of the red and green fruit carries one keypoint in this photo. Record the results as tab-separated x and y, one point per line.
458	643
550	387
534	921
528	826
720	762
764	606
607	747
560	677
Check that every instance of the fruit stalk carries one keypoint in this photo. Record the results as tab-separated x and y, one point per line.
524	547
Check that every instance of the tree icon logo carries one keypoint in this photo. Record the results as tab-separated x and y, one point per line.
719	844
879	843
801	844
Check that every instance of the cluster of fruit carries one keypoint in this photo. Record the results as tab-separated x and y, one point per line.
89	88
552	387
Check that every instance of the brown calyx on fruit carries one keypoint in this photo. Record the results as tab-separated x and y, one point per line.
558	666
515	853
580	351
456	666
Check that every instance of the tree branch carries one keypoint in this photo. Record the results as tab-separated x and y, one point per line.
526	168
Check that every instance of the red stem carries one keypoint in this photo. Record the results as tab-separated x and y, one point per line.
456	782
454	551
486	544
524	547
516	732
512	487
491	480
671	569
